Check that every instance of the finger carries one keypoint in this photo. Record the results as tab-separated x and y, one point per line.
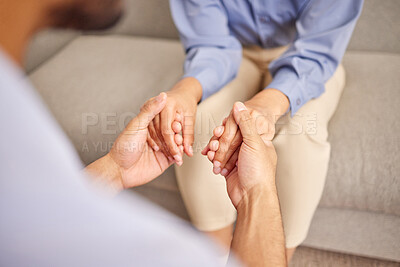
153	134
178	139
264	125
147	113
210	155
178	117
214	144
176	127
246	123
158	137
152	143
268	143
231	163
224	121
168	134
188	134
225	142
218	131
157	128
235	144
207	148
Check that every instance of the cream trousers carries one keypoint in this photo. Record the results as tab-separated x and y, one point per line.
300	141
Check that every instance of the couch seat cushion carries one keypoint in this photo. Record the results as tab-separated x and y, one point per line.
96	84
364	171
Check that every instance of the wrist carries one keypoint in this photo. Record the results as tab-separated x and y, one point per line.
189	86
272	102
106	173
265	193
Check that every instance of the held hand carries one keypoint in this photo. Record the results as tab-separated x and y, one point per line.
256	158
178	116
136	161
266	108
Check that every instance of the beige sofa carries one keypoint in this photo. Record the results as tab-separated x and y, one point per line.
93	84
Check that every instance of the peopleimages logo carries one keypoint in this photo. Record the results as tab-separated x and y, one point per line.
106	126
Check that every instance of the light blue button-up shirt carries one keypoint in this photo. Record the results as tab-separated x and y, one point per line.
317	32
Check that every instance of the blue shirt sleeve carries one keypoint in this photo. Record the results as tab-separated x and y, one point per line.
213	54
323	29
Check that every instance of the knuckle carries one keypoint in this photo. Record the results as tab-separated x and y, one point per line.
224	140
246	117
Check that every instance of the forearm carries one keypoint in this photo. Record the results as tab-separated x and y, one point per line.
258	239
105	173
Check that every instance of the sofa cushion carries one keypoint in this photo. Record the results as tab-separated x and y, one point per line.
364	172
355	232
45	44
97	83
151	18
378	27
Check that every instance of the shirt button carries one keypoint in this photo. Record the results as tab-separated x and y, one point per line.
264	19
298	101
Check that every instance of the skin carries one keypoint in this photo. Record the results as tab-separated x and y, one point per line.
21	19
252	190
172	131
251	184
266	108
132	161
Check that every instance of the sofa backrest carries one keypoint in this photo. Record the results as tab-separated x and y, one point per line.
377	29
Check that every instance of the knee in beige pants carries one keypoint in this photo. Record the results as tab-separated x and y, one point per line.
303	157
302	148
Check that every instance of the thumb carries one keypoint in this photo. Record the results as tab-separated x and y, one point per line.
148	111
246	122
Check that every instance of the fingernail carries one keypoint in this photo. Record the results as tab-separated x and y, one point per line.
217	131
216	170
214	145
178	158
224	172
191	150
160	97
210	155
240	106
217	164
156	148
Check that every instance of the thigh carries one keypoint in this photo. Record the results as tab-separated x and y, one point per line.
203	192
303	157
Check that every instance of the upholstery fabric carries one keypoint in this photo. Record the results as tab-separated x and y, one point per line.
45	45
378	27
149	18
310	257
364	169
102	82
376	30
356	232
